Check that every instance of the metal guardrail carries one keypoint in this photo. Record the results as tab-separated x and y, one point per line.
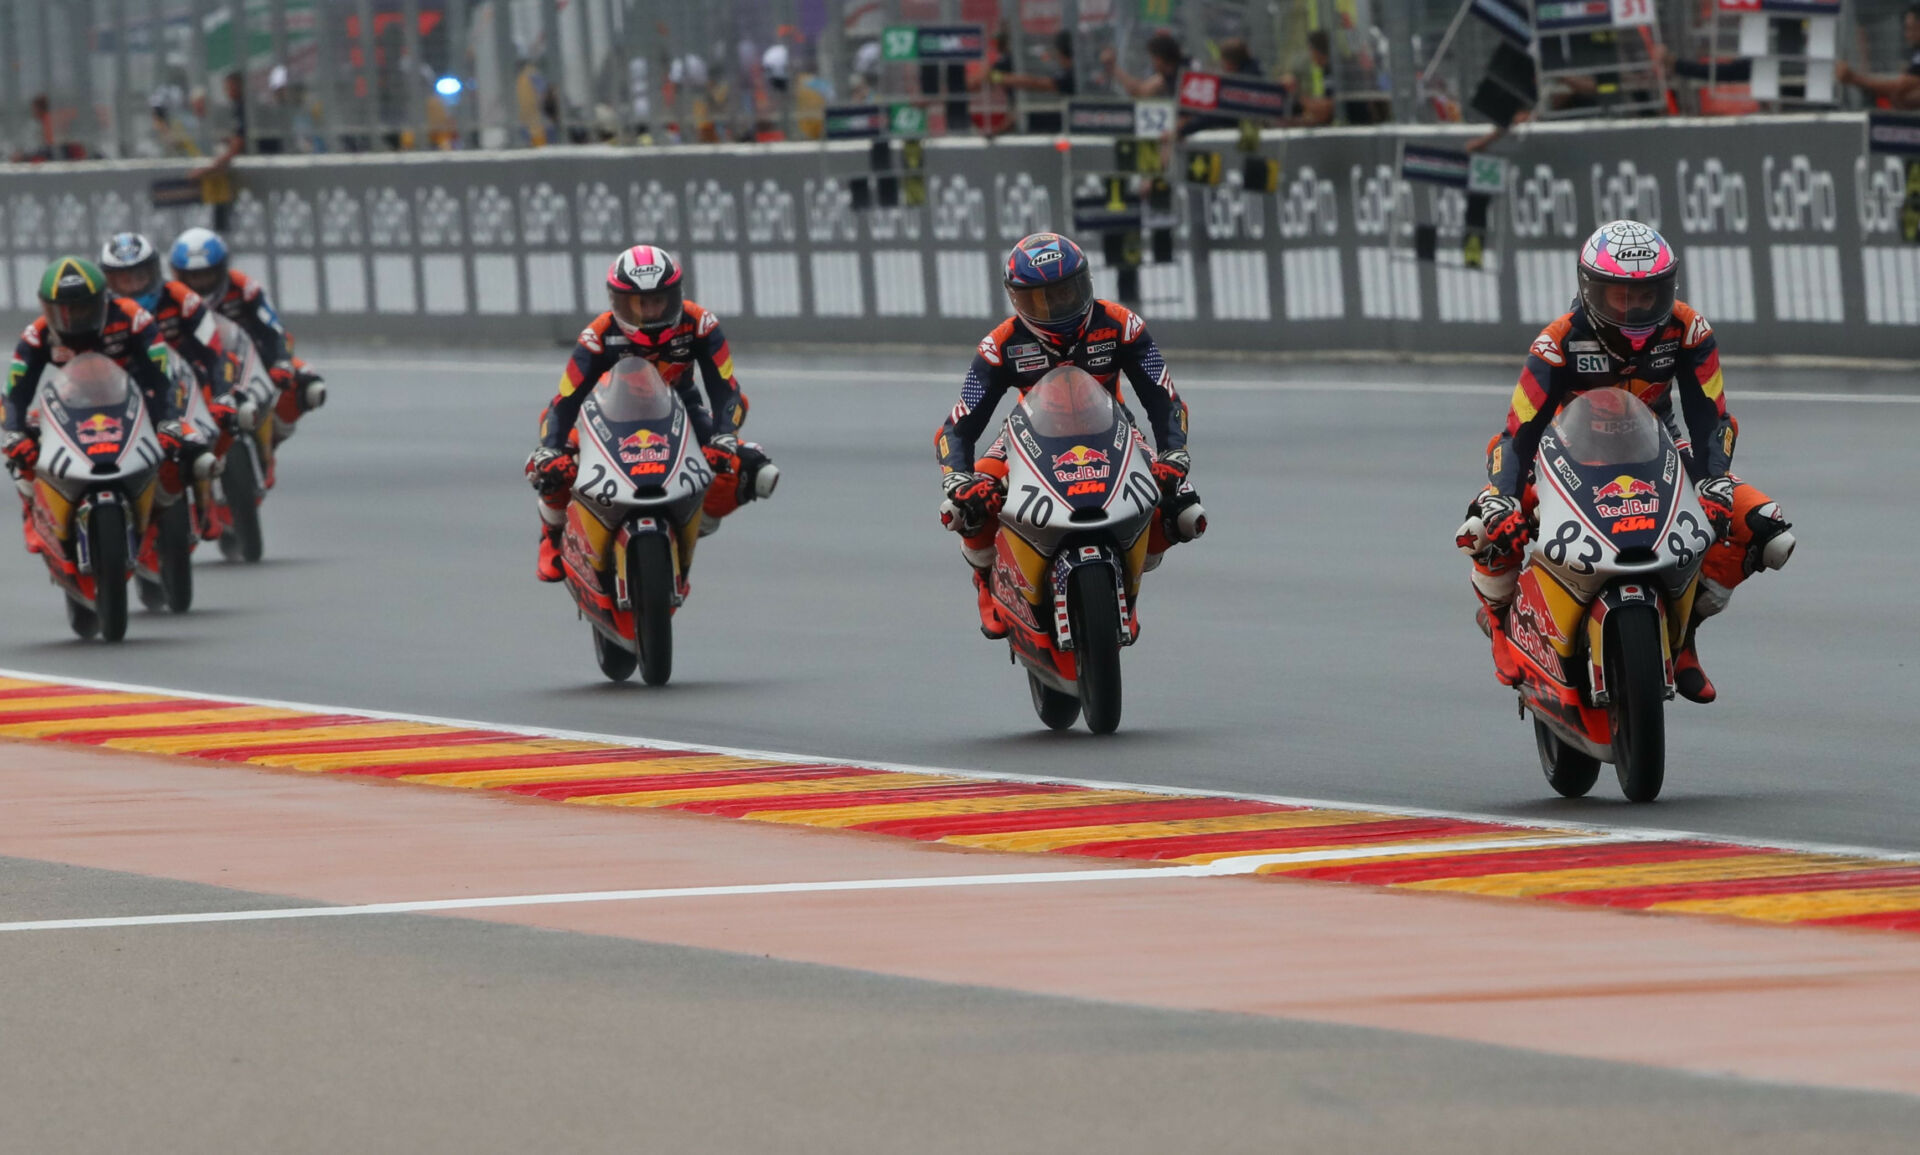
1790	234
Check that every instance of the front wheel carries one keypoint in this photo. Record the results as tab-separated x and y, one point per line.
1059	711
1094	606
1570	772
650	584
176	556
107	543
1637	683
240	485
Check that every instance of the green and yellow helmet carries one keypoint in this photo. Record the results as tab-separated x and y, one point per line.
74	294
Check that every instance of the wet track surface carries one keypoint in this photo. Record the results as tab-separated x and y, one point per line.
1318	643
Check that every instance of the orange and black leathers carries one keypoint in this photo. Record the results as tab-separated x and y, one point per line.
696	340
1682	361
247	305
187	324
1011	357
130	337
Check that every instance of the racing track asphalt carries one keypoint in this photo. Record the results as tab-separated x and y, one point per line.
1318	643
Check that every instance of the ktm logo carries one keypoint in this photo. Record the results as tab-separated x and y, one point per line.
1080	487
1633	525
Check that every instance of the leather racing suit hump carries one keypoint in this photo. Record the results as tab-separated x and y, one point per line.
246	304
695	341
1114	343
1680	363
186	324
130	337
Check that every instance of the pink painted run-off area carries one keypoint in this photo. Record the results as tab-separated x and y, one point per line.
1796	1004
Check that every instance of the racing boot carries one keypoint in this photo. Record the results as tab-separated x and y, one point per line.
990	622
1688	678
548	568
26	527
1492	621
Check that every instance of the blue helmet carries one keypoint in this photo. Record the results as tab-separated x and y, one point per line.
199	259
132	266
1051	287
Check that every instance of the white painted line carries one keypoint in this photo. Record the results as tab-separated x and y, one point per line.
1187	382
1222	868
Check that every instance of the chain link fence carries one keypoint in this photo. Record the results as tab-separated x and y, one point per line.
148	78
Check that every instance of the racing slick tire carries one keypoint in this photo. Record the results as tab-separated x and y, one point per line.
1638	709
1059	711
240	484
176	557
616	661
1570	772
1095	608
650	576
107	541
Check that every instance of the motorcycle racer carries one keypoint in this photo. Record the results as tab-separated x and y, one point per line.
200	261
80	314
648	316
132	267
1057	321
1626	329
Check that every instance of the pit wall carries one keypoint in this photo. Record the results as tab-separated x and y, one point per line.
1788	232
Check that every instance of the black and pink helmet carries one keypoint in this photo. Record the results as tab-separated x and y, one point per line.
643	288
1628	276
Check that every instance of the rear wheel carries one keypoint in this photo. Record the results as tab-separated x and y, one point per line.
616	661
1638	711
1094	605
1059	711
241	486
1570	772
650	583
107	542
176	556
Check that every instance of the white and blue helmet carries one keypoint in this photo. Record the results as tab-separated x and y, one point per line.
199	259
132	266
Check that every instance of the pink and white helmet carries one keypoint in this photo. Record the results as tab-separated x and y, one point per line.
1628	277
643	287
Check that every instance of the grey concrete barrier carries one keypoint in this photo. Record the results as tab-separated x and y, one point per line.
1788	231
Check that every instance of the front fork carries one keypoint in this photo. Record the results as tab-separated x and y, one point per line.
1077	557
679	546
1634	593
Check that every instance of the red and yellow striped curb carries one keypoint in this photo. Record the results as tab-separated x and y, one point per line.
1461	855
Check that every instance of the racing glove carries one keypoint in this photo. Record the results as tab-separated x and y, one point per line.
223	413
173	437
1502	526
551	471
1716	499
723	454
282	374
971	499
22	450
1170	468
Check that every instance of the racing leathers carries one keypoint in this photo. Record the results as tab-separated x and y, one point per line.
1677	374
1114	344
694	342
247	305
132	340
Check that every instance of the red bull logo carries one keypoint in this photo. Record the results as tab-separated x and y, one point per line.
1631	496
1081	463
643	445
99	433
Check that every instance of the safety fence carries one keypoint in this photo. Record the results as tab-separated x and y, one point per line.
1790	231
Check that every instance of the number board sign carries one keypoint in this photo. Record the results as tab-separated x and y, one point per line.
907	120
1233	95
950	42
1442	166
1154	118
1101	117
855	121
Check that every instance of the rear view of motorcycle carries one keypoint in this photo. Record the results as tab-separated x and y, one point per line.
163	568
246	472
1081	499
93	488
1605	593
635	518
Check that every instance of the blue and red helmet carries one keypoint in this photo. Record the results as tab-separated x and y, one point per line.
1051	287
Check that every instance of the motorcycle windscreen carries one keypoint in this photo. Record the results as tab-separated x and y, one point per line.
633	391
1608	427
1068	402
94	398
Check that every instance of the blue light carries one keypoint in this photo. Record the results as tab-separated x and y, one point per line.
447	86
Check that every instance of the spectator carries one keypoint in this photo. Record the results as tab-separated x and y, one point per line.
1314	111
531	94
1900	91
231	145
1059	80
173	137
42	113
1164	61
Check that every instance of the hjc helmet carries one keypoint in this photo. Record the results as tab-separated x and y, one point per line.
74	296
1050	286
199	260
132	266
644	289
1628	274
